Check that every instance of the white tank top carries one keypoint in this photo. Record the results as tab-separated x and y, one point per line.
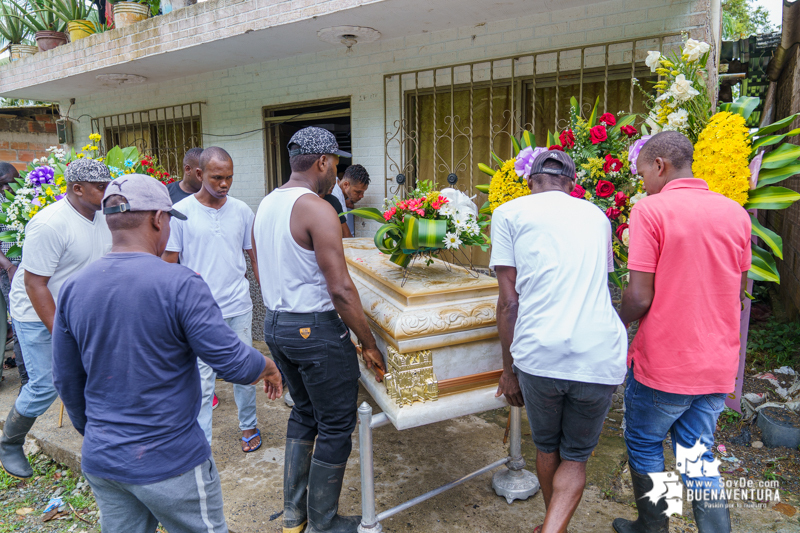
290	276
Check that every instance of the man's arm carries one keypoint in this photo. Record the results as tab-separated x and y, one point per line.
41	298
638	296
170	257
8	266
217	345
251	253
743	291
346	231
507	307
323	230
69	376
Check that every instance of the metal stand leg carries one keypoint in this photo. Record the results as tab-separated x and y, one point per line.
513	483
369	522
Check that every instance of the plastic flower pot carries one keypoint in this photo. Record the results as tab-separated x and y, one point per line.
20	51
779	427
78	29
127	13
47	40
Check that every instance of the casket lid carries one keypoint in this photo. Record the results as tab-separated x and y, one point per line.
435	301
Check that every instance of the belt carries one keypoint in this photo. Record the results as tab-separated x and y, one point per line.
284	317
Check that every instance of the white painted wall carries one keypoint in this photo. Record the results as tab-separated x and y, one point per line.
234	98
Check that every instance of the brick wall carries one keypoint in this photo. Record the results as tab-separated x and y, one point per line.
786	223
25	137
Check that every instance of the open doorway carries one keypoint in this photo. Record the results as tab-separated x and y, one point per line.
281	122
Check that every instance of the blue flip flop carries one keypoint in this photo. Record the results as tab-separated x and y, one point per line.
247	441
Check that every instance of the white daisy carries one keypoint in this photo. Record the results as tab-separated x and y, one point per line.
451	241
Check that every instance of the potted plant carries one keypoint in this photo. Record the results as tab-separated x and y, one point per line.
14	33
127	13
47	28
76	15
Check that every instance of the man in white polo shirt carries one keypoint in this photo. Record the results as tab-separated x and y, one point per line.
564	346
212	242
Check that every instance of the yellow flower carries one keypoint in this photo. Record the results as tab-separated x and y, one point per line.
88	147
722	156
506	186
95	137
80	156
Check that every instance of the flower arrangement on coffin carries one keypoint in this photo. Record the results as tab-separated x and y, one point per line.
599	146
43	183
426	222
681	102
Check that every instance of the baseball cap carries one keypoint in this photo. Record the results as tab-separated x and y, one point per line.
567	165
143	193
87	170
313	140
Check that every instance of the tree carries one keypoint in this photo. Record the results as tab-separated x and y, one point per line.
740	19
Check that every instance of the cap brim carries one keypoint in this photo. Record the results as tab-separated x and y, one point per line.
177	214
341	153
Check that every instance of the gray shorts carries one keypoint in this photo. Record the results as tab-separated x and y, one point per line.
187	503
565	416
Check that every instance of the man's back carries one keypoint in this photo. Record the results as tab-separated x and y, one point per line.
561	249
147	319
697	243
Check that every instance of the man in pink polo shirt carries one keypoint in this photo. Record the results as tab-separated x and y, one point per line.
688	260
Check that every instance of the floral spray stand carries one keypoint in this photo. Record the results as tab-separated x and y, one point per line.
436	328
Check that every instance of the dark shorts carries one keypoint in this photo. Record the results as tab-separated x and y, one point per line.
565	416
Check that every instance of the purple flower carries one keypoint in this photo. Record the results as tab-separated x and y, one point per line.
525	159
633	152
41	175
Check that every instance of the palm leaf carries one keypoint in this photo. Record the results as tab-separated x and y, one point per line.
770	238
771	198
769	140
486	169
744	106
762	267
771	176
781	156
367	212
775	126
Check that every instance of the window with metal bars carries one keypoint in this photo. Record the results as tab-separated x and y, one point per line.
165	132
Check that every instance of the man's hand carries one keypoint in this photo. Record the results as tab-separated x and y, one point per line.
373	358
273	384
509	387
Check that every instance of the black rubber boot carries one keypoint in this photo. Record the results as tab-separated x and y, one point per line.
651	516
712	516
296	466
324	487
12	457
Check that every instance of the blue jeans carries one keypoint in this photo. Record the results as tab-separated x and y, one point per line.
244	395
650	414
38	394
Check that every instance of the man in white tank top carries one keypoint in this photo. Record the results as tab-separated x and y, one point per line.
306	288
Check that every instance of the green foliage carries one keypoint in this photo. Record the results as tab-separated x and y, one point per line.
71	10
728	418
12	28
741	19
773	345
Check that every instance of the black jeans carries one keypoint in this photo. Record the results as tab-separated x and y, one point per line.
320	365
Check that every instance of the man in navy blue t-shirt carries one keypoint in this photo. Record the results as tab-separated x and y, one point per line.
128	332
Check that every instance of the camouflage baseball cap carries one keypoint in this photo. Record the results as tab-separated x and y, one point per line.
87	170
313	140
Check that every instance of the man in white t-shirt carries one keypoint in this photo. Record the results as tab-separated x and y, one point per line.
60	240
562	340
349	190
212	242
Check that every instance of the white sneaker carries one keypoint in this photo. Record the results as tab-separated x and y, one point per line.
287	399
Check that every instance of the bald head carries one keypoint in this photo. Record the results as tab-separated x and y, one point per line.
213	153
671	146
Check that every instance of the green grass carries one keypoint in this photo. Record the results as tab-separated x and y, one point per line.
774	345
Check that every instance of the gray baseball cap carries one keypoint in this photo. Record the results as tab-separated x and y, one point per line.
143	193
313	140
567	164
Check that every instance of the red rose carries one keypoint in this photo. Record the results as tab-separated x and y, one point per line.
608	118
567	139
604	189
620	199
556	147
613	213
630	131
598	134
621	228
578	192
612	164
